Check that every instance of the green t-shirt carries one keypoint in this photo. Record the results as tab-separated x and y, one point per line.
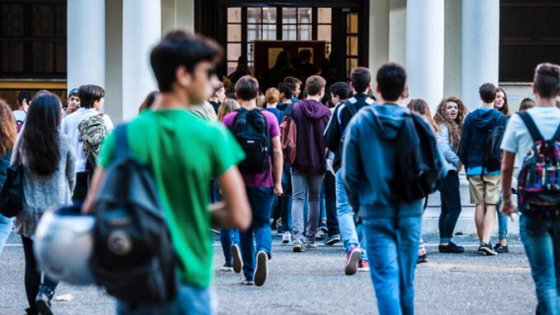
183	152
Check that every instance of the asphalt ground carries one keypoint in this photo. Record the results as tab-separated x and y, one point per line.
314	283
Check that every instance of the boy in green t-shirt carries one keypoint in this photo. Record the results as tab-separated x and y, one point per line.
184	152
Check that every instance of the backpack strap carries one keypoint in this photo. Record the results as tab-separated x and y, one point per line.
557	134
122	148
531	126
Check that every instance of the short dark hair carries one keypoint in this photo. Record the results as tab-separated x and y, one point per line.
286	90
90	94
73	92
292	82
341	89
247	88
547	80
314	84
391	79
360	78
179	48
488	92
23	95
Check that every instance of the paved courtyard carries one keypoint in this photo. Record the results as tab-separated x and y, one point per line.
313	283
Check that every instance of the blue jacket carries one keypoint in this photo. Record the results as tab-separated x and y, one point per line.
368	163
473	140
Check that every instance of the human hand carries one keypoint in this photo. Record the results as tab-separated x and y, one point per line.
508	207
278	190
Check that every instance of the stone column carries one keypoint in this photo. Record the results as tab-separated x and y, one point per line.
86	43
480	48
378	34
141	31
425	50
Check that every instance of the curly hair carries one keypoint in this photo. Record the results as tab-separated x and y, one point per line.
8	130
455	126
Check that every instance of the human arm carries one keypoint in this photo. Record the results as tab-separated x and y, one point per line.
278	162
332	132
444	144
508	160
95	184
352	165
70	169
465	141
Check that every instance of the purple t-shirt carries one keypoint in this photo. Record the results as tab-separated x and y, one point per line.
263	179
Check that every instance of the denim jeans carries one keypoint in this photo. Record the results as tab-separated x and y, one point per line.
5	230
303	182
450	197
330	203
259	233
393	253
189	300
285	201
502	222
351	234
541	240
228	238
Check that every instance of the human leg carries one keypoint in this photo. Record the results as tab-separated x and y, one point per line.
345	215
314	184
408	243
5	230
299	188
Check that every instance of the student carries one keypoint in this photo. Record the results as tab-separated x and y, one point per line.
184	152
391	226
73	102
261	186
91	99
23	101
49	178
501	105
151	101
526	104
295	85
540	236
272	97
484	180
8	133
218	97
308	170
420	107
449	118
352	236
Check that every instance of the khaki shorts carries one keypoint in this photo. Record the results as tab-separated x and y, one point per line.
484	189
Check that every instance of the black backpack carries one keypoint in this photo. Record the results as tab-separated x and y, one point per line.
492	150
133	257
251	131
419	167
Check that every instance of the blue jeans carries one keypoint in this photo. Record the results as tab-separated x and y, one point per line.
502	222
227	238
351	234
5	230
542	245
393	252
259	233
189	300
285	201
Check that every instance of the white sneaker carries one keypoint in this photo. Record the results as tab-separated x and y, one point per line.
287	237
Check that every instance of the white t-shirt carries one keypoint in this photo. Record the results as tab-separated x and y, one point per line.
19	115
517	138
69	127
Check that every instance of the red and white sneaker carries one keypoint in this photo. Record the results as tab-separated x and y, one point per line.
352	258
363	266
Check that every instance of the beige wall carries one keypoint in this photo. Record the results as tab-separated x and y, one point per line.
177	14
452	57
113	59
516	92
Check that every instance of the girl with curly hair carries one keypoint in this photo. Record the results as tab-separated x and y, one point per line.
8	133
449	117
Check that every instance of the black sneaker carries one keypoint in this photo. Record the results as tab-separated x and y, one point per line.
261	270
43	300
332	240
499	248
486	249
422	258
451	248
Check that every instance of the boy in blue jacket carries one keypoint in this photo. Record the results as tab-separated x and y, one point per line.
391	226
484	181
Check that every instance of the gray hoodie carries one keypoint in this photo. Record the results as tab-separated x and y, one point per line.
368	163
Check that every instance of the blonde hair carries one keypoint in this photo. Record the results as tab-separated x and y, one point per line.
229	105
455	127
8	131
272	95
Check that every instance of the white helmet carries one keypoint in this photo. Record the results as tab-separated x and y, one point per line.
63	245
